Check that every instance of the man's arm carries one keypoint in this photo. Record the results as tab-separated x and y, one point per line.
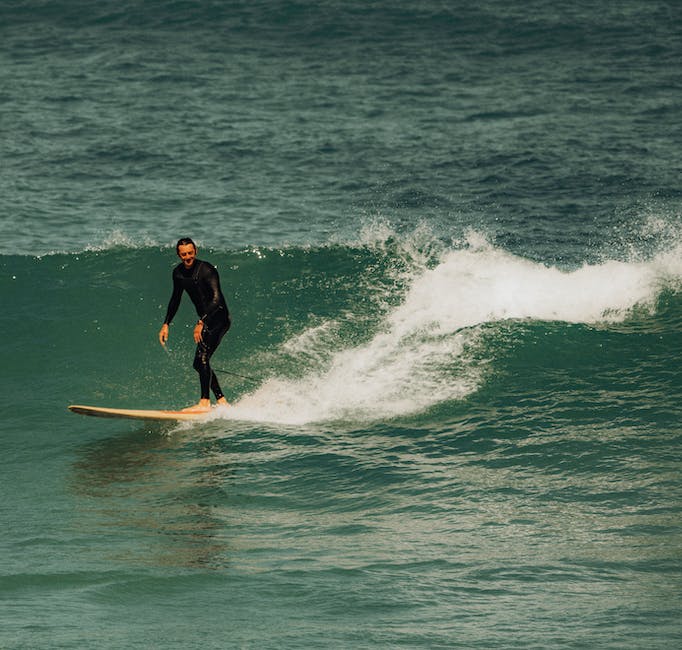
173	305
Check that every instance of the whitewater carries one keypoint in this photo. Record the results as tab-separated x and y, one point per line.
427	350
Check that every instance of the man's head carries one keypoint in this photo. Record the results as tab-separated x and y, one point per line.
187	251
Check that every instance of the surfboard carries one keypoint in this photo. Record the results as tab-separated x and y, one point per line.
136	414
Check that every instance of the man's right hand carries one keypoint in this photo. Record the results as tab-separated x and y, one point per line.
163	334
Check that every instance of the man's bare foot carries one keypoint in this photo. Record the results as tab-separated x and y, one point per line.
203	406
222	402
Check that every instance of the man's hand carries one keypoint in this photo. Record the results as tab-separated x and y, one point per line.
198	329
163	334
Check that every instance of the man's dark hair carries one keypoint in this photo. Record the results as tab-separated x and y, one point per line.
183	242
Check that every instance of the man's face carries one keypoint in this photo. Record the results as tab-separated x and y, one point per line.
187	253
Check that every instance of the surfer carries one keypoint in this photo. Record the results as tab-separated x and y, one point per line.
201	282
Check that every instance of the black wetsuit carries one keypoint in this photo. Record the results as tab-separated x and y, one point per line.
202	284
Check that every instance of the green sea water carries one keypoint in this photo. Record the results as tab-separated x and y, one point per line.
449	236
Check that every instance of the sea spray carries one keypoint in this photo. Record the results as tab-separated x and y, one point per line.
427	350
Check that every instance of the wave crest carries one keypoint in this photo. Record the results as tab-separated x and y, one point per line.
424	350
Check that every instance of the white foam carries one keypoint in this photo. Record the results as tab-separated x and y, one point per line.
420	358
481	284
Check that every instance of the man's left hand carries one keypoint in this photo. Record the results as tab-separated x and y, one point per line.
198	329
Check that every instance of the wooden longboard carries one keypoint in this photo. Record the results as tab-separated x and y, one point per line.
136	414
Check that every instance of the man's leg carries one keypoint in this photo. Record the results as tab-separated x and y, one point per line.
207	378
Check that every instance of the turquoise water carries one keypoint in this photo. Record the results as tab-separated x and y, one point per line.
450	239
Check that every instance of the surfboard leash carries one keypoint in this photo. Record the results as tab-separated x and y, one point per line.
227	372
236	374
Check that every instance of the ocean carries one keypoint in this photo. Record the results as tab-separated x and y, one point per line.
450	237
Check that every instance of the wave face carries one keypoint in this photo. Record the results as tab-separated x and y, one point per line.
431	348
389	328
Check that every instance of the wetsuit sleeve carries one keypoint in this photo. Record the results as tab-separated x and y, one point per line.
213	295
174	302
